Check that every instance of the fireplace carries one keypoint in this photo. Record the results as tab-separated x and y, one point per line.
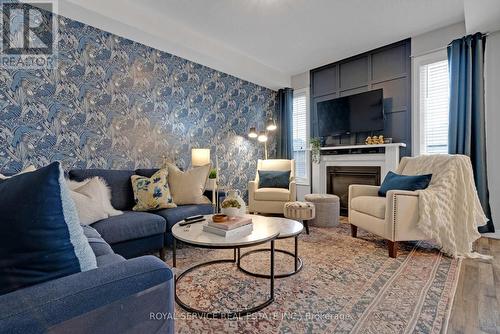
340	177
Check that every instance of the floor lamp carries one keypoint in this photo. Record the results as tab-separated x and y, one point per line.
263	136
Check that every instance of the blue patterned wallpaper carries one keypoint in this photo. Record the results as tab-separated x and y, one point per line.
115	103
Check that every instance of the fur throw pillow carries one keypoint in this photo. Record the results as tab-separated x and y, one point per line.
92	198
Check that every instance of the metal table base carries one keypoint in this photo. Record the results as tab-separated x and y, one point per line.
235	259
297	261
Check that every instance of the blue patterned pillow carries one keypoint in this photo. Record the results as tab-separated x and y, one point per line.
395	181
40	235
274	179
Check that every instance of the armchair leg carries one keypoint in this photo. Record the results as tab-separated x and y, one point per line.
162	254
393	248
354	231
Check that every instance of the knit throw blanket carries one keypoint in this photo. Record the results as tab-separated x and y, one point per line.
449	209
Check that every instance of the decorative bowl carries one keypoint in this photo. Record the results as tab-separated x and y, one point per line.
219	218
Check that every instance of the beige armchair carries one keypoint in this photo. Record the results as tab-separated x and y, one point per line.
393	217
271	200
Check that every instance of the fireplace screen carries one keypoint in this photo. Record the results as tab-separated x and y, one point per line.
340	177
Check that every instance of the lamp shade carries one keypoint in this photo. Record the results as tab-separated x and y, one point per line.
262	136
252	133
271	124
200	156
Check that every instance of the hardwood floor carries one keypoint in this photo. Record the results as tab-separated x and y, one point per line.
476	308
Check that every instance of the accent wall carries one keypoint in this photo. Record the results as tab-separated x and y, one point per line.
115	103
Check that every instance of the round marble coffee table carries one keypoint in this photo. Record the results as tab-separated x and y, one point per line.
264	230
288	229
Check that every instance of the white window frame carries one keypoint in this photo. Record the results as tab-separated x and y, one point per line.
307	180
418	117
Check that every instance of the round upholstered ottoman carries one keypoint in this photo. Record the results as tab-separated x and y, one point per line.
327	209
301	211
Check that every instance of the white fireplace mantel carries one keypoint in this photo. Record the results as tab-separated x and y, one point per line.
387	161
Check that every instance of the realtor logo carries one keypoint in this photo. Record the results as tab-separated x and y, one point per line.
28	35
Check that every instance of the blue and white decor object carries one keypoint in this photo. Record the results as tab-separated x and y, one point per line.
114	103
40	233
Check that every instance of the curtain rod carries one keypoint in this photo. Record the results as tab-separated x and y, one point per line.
439	49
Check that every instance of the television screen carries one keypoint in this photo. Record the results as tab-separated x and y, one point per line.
362	112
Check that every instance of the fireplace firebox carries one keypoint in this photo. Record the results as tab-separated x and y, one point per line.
340	177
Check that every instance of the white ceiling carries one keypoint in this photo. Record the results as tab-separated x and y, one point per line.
265	41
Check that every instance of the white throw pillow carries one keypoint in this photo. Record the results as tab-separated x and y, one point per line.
92	198
188	187
28	169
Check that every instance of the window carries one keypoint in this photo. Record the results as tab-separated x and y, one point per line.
300	136
433	102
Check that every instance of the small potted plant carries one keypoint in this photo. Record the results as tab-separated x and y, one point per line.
231	207
315	150
212	174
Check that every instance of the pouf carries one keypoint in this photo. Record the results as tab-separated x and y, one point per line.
299	211
327	209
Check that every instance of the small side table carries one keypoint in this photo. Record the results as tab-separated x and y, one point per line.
302	211
327	209
288	229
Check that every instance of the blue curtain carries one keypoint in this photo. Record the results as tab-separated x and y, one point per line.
284	149
467	134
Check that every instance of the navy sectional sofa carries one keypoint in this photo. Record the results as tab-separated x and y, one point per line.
133	296
136	233
118	297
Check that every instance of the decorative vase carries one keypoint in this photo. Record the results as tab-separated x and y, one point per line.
233	205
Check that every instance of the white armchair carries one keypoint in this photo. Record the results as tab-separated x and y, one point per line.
393	217
271	200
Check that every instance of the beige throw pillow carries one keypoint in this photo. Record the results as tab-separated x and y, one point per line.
92	198
188	187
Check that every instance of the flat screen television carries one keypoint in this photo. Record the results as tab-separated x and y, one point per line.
363	112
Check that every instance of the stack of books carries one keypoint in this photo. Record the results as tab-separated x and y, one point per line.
234	226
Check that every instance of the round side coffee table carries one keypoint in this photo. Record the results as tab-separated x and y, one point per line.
287	229
264	231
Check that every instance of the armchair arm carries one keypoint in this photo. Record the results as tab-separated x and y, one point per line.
402	212
113	298
356	190
293	191
252	186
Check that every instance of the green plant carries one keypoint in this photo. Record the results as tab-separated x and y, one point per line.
315	150
231	203
212	174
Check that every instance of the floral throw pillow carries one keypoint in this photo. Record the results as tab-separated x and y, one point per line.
152	193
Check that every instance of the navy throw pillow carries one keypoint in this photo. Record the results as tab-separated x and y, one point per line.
274	179
40	235
395	181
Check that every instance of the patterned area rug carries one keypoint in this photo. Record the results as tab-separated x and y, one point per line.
347	285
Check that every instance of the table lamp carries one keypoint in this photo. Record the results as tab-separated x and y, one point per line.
200	157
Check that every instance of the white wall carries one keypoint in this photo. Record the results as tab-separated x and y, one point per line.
483	16
436	39
492	88
301	81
